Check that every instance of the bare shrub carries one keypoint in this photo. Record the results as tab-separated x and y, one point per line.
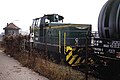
40	63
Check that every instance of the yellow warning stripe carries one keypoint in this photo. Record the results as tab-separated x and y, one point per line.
69	55
70	58
73	58
77	63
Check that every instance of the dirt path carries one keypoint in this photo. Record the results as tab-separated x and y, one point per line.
11	69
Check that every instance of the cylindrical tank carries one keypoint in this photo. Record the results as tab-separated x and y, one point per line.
109	20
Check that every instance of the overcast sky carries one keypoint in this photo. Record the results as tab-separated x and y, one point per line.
21	12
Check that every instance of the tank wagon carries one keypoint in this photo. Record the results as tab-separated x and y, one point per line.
107	45
108	29
109	20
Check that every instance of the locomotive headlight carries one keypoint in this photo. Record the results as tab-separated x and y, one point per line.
36	38
32	35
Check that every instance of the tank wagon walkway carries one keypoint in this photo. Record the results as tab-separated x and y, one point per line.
11	69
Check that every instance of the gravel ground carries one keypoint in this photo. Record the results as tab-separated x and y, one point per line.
11	69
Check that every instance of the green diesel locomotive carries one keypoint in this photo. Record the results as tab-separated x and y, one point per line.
50	34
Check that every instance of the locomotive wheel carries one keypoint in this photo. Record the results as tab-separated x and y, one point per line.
76	56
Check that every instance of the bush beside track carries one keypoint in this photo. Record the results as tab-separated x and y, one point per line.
15	47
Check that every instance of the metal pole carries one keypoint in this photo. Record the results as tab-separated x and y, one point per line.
64	41
46	41
86	56
59	41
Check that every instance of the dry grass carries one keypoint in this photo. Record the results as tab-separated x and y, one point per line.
49	69
57	72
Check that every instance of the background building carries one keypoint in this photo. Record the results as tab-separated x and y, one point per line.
11	29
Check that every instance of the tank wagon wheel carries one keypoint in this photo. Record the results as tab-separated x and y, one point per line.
77	56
